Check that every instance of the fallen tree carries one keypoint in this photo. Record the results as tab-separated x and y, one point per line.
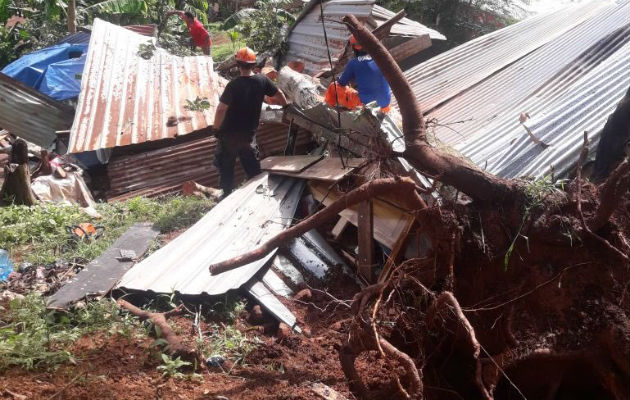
524	293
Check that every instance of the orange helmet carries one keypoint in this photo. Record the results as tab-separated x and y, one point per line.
246	55
354	43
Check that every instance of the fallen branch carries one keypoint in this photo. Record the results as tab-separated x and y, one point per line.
175	347
402	188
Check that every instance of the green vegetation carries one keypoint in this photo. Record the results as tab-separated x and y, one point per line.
170	367
33	337
38	234
231	343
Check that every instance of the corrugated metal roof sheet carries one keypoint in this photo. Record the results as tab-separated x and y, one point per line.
126	99
31	115
249	216
306	37
457	70
569	82
156	172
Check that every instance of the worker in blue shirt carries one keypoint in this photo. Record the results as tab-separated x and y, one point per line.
370	82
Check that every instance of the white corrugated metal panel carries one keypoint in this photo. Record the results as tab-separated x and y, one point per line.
31	115
126	99
306	38
537	77
559	121
449	74
249	216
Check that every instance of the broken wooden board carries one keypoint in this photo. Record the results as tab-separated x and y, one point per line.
102	274
269	302
390	222
291	164
249	216
329	169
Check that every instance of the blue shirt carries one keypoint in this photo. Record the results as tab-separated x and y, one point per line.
371	83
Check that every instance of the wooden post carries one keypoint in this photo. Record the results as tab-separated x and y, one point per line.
366	240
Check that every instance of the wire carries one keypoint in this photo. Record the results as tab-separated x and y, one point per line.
332	70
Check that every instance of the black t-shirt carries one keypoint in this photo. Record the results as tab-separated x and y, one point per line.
244	97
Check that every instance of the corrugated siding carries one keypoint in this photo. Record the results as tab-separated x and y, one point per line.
29	114
568	84
451	73
306	39
162	171
237	224
126	99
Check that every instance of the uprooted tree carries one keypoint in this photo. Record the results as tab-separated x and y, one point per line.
524	293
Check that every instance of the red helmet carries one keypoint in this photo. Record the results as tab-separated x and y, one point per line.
246	55
354	43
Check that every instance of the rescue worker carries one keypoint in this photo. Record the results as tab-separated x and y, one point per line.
237	116
370	82
199	35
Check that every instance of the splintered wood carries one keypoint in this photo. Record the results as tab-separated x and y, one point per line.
390	222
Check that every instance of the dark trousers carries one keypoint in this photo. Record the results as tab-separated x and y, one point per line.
241	146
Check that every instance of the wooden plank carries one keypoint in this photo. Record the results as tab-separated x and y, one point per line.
365	240
288	163
102	274
339	227
410	47
390	222
329	169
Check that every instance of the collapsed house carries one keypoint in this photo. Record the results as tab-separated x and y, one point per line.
515	102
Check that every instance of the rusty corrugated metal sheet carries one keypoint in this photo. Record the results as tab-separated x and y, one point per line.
126	99
162	171
31	115
306	37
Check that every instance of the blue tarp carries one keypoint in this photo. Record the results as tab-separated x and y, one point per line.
51	70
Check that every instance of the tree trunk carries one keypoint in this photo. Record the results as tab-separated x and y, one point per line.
72	20
16	188
614	140
299	88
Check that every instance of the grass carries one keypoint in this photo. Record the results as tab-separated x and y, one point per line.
38	234
32	337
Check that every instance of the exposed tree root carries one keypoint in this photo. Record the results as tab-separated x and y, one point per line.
175	347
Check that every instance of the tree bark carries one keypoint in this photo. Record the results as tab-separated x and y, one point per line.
299	88
175	346
614	139
72	20
477	184
16	188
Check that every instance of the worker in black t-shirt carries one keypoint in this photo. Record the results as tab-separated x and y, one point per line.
236	119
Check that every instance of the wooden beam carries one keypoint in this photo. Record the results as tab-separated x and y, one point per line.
366	241
339	227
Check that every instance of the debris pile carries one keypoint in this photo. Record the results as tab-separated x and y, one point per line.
465	281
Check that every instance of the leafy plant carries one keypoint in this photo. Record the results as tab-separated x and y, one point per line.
199	104
232	343
266	26
145	50
170	366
